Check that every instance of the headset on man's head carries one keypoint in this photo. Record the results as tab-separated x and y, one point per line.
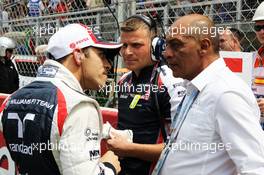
157	43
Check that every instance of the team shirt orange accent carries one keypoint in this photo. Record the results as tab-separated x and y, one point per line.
259	60
258	76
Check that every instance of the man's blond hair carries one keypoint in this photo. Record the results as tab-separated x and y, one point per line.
134	24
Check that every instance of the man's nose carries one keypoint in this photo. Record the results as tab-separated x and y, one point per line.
167	53
128	50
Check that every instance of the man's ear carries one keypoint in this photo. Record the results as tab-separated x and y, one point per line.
77	56
205	45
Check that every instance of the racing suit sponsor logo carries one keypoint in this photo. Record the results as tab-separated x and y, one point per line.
94	154
87	132
21	148
47	71
91	135
32	102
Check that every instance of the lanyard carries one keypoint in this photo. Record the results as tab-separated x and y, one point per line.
180	116
147	93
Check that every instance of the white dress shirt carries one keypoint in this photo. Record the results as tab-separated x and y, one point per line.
221	134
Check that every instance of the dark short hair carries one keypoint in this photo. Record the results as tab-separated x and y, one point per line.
237	33
10	50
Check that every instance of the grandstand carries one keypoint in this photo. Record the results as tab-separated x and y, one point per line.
32	24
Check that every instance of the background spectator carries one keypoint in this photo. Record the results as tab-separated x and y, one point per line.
35	8
230	40
223	12
76	5
94	4
8	73
4	21
185	10
62	8
258	73
52	5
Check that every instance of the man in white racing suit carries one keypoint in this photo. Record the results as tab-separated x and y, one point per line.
50	126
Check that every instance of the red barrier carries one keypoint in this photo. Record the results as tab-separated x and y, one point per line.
2	98
6	163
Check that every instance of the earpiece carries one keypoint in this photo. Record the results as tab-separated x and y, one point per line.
157	43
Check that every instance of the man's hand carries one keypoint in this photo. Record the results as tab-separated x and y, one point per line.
110	157
123	148
119	145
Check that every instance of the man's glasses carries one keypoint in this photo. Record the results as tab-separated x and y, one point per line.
258	27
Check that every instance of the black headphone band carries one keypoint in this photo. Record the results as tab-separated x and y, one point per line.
147	20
